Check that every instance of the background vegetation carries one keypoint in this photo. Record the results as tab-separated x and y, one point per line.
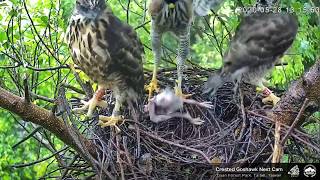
32	48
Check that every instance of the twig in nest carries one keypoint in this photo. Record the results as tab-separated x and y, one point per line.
278	146
277	151
295	130
295	122
119	160
126	152
177	145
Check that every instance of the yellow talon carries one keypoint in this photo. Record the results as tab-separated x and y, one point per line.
178	92
259	89
271	98
105	121
153	86
90	105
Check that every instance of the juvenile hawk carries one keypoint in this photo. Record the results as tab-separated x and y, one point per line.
109	52
260	40
175	16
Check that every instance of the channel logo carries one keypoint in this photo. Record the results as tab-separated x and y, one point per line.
310	170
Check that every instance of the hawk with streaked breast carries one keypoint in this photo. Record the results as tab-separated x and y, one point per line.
175	16
109	52
260	40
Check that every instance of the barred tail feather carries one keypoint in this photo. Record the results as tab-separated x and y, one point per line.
202	7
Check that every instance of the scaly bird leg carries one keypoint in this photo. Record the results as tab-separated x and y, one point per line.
153	86
178	90
96	100
183	52
105	121
270	97
156	48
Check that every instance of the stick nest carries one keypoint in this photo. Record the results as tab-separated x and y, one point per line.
236	131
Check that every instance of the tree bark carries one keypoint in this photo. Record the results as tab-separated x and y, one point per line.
37	115
308	86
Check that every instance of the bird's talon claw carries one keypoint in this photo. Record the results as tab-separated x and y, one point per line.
153	86
90	106
105	121
271	98
179	93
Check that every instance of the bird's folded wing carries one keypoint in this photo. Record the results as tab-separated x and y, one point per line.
203	7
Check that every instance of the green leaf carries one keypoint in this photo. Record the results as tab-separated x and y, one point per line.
3	36
44	19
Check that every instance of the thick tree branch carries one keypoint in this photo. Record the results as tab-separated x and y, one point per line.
290	104
296	100
42	117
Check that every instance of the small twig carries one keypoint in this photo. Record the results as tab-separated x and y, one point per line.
40	160
295	122
306	143
73	88
177	145
36	96
48	68
126	152
278	146
119	160
65	172
278	150
243	113
27	137
84	86
38	35
128	10
26	90
142	25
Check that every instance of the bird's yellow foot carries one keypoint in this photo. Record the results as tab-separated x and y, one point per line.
271	98
153	86
105	121
178	92
96	100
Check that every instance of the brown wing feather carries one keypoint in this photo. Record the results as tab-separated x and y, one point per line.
108	51
126	52
260	40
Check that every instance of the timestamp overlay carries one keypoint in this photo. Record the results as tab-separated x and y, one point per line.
305	10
